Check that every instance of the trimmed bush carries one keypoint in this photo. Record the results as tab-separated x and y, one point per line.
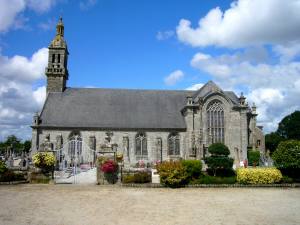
172	174
258	175
219	159
193	168
253	158
127	179
287	158
142	177
205	179
218	149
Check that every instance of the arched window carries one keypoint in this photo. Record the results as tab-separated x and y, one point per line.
173	144
58	58
53	58
141	145
215	122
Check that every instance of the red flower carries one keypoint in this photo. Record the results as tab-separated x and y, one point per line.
109	166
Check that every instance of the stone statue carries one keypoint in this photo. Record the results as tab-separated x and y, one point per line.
46	145
126	148
159	148
58	142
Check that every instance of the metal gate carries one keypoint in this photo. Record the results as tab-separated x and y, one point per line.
75	163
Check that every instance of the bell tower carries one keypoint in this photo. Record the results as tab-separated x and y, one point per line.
57	70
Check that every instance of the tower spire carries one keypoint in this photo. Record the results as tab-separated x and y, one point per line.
57	70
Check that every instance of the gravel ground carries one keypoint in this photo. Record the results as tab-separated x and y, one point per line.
101	205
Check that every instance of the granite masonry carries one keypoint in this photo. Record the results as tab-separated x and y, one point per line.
149	125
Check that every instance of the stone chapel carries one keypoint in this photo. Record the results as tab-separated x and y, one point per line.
148	125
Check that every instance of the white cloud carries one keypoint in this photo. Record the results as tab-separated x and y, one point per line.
87	4
20	68
273	87
174	77
164	35
18	100
9	9
11	12
195	87
47	25
245	23
41	5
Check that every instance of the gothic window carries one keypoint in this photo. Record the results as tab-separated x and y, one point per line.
58	58
53	58
141	145
173	144
215	122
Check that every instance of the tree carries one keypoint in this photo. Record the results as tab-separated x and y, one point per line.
287	158
272	140
289	127
253	157
219	160
27	145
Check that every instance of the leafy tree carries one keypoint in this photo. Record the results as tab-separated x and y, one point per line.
287	158
272	140
289	127
219	160
253	157
27	145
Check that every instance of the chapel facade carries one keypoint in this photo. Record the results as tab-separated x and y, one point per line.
148	125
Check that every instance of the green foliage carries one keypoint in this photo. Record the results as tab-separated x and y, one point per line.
172	174
3	167
289	127
15	143
258	175
138	178
142	177
193	168
219	159
205	179
287	158
286	180
287	155
218	149
127	179
272	140
9	175
253	158
27	146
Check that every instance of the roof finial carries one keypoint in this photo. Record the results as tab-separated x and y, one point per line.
60	27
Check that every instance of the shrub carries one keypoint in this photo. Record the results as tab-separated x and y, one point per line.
258	175
193	168
127	179
3	167
287	158
142	177
109	166
219	159
218	149
205	179
287	180
172	174
44	160
253	158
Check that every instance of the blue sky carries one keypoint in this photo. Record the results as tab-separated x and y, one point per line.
114	43
246	45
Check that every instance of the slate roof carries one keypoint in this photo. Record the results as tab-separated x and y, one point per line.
115	109
99	108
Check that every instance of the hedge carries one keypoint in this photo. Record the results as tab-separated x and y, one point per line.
258	175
